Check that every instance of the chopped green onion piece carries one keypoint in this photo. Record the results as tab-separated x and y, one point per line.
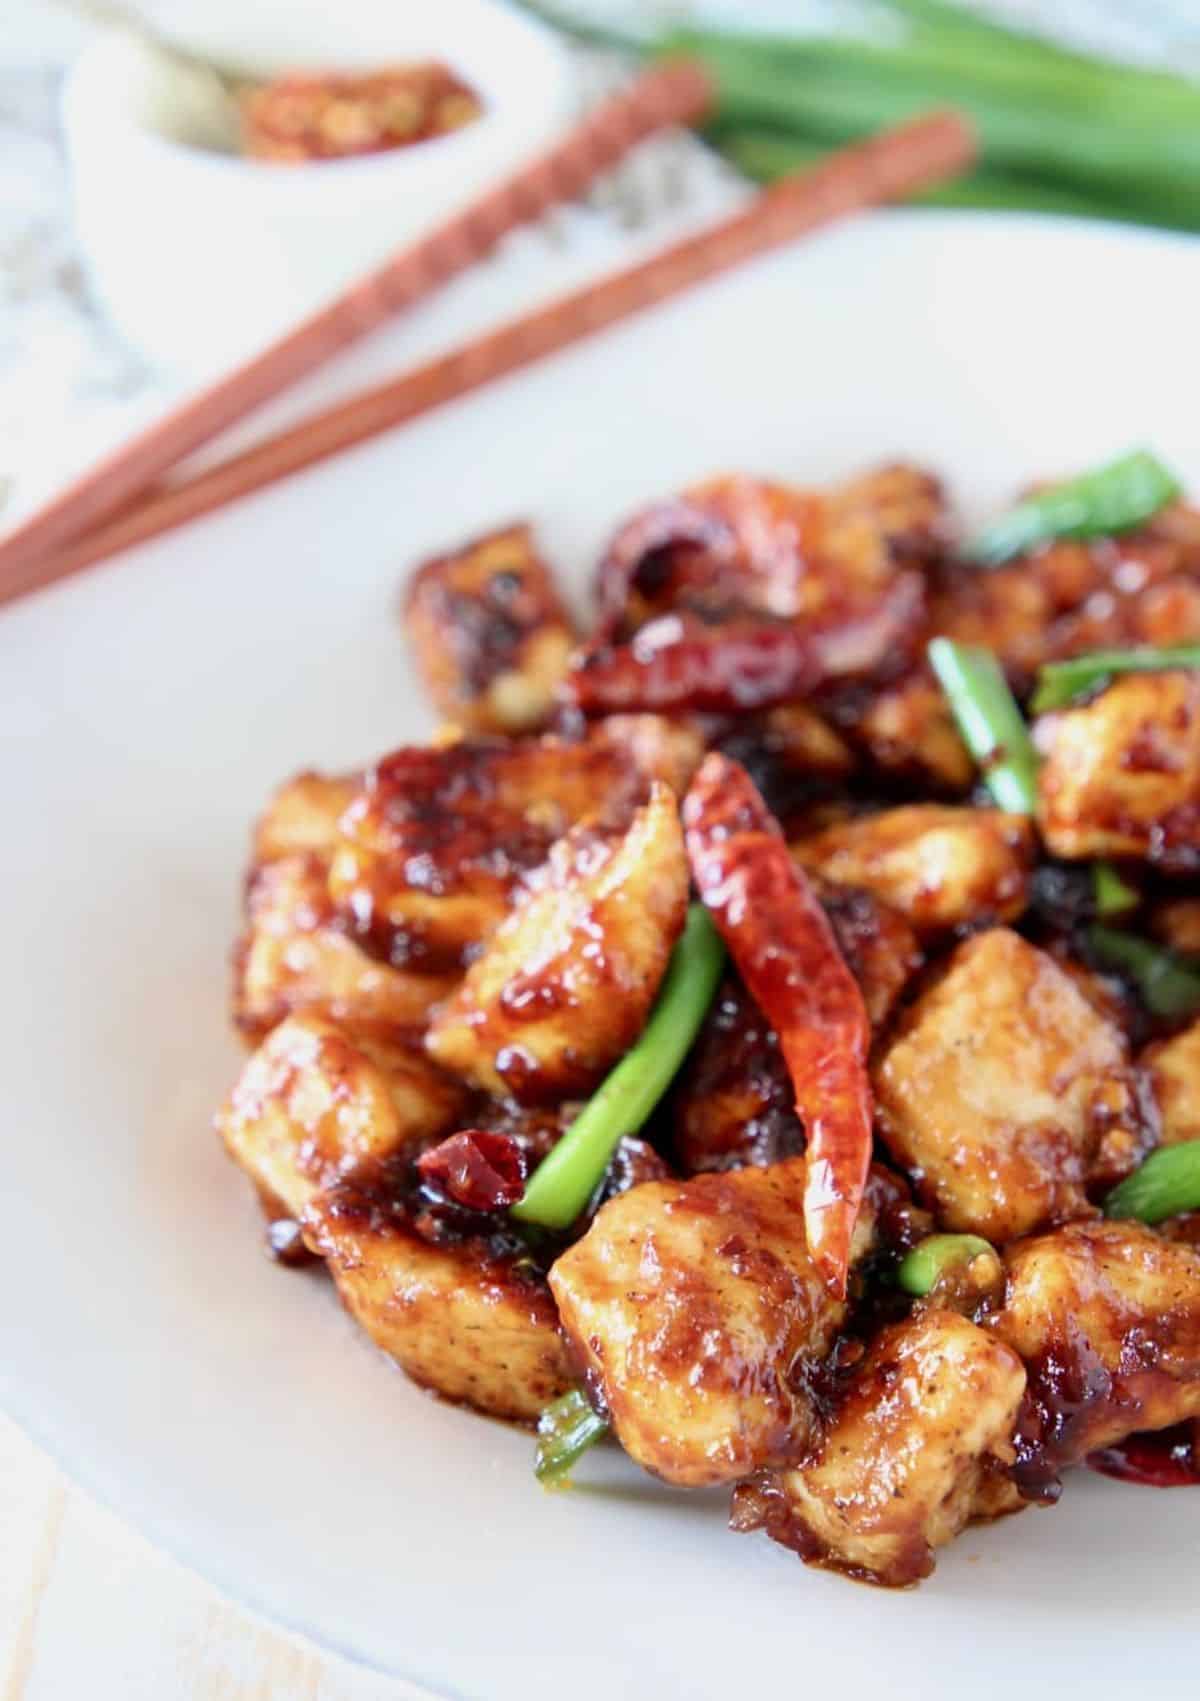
566	1429
1059	683
1169	984
1112	895
990	722
921	1268
1166	1184
567	1177
1112	498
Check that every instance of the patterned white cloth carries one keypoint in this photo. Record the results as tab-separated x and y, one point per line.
69	389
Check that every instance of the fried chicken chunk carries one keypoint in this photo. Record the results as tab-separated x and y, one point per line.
694	1306
464	1314
294	958
490	633
1173	1068
302	817
436	842
908	729
879	945
1003	1086
566	983
1106	1316
735	1104
1122	775
910	1457
310	1105
938	865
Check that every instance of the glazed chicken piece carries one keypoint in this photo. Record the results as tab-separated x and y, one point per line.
1173	1069
302	817
310	1104
694	1307
735	1104
1122	775
490	633
908	730
879	946
799	740
565	984
293	958
460	1307
913	1453
1106	1316
891	515
794	757
1003	1088
939	866
435	845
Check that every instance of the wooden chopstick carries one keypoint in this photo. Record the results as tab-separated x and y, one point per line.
673	93
894	164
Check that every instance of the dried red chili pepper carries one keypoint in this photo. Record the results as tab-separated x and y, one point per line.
746	543
478	1169
784	948
654	550
1166	1458
680	662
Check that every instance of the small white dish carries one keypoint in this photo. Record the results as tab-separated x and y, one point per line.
229	1408
201	257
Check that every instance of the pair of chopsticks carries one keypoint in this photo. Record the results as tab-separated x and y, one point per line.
121	501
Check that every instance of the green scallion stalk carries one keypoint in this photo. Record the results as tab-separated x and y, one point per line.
1166	1184
567	1177
1061	682
1110	893
1112	498
990	722
1168	984
921	1269
566	1429
1050	118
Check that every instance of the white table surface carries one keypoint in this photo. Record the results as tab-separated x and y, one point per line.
86	1605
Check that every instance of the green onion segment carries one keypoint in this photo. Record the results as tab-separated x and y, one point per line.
567	1177
992	726
566	1429
1169	984
1167	1183
1061	682
920	1269
1112	498
1112	895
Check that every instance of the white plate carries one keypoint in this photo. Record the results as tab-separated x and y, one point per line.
229	1408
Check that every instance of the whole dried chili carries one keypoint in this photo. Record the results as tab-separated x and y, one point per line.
481	1170
653	551
784	948
743	542
1167	1458
679	662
